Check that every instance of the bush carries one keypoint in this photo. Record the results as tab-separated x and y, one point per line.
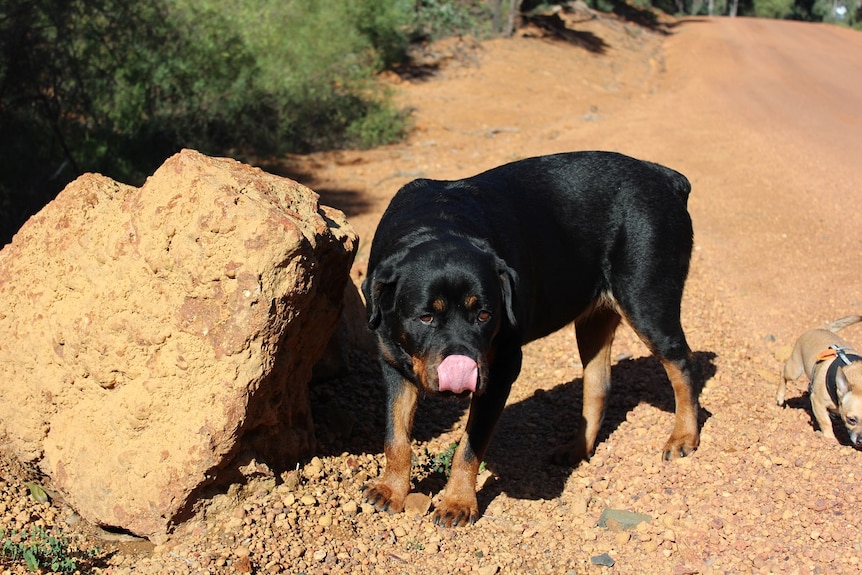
116	87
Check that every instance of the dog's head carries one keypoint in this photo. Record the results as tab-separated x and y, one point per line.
848	383
437	308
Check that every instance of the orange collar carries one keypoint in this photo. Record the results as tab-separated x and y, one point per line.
827	354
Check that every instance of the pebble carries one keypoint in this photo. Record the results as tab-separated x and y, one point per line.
604	560
417	504
350	508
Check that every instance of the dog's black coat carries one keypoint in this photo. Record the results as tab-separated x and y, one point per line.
480	266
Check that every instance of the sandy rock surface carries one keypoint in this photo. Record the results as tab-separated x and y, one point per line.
151	335
763	117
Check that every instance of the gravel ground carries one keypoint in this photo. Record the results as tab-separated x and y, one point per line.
764	493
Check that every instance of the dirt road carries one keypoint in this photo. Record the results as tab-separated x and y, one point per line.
764	117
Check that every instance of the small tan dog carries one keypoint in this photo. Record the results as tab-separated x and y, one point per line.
835	371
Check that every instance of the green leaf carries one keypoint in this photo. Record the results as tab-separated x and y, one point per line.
37	493
31	561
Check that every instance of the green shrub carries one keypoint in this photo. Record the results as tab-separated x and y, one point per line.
40	549
116	87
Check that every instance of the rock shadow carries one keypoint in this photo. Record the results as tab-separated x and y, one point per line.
350	412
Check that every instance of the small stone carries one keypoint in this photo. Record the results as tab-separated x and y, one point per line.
579	506
319	556
625	519
489	570
325	520
350	508
417	504
604	560
308	500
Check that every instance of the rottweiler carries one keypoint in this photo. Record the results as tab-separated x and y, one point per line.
463	273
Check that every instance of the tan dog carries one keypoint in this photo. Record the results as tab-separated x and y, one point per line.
835	372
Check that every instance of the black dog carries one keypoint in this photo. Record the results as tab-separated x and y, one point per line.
463	273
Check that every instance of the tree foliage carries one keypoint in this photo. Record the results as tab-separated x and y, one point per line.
116	87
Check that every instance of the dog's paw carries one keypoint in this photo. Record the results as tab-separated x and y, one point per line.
383	498
677	447
569	455
456	513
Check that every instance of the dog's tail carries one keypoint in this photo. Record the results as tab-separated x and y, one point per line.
840	324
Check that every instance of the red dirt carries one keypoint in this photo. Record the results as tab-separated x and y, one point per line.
763	117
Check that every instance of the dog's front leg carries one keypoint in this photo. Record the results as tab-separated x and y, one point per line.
459	505
389	492
821	414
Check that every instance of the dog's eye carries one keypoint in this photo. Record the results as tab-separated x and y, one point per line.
483	316
426	318
852	421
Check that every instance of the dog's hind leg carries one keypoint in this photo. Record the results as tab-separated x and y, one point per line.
685	437
793	369
595	331
667	342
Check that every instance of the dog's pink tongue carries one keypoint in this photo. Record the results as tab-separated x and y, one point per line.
457	373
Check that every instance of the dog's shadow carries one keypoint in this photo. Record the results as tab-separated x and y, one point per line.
529	431
526	436
803	402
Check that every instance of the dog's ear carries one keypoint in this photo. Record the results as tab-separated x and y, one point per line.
509	287
374	288
842	386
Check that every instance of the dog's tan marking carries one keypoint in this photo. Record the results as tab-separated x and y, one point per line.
685	436
420	366
471	302
439	305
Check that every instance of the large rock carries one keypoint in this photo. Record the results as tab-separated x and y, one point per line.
150	335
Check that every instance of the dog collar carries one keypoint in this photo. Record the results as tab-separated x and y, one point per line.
840	358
